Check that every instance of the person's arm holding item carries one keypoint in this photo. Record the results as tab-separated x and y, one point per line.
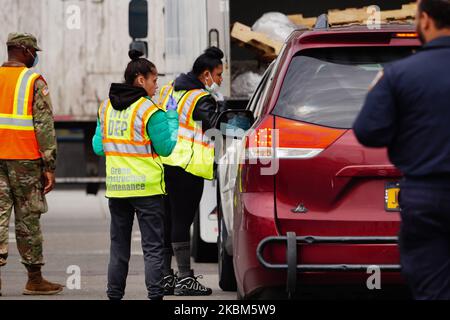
44	128
375	125
162	129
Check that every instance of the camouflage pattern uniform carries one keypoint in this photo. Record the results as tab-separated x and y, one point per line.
21	185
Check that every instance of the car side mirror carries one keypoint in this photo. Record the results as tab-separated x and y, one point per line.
235	122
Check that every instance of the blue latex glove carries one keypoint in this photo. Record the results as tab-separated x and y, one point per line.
172	104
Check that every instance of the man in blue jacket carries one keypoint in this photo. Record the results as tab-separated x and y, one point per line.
408	111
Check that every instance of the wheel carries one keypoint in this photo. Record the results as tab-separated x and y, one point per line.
202	251
227	279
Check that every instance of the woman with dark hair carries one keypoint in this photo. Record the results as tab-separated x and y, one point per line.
133	133
195	96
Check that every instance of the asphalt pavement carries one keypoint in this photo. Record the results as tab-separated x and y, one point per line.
76	241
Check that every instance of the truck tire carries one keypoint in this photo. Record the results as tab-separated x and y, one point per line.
202	251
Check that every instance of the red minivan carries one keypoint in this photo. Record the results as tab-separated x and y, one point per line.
312	208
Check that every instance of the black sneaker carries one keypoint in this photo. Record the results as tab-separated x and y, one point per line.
169	282
189	286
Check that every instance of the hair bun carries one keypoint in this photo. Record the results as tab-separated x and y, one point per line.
214	53
135	54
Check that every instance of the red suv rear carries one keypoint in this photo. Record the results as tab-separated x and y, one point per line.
328	211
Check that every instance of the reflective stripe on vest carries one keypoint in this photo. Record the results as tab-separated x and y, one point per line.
128	150
17	137
25	123
190	130
133	169
164	95
137	144
22	101
194	151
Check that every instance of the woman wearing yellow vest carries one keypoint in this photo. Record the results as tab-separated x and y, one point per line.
195	94
133	133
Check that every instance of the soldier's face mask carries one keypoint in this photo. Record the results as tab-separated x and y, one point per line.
35	58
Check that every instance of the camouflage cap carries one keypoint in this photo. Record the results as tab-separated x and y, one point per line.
23	39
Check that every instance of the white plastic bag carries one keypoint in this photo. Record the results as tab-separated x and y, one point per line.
275	25
245	84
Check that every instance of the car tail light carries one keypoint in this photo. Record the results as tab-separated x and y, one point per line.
282	138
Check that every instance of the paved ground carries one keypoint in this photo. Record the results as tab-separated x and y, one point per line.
76	232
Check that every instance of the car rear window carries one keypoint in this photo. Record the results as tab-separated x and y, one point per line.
328	86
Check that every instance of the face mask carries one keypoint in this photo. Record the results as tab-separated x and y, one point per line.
214	87
36	59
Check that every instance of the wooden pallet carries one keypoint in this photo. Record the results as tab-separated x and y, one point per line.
300	20
268	48
361	15
358	15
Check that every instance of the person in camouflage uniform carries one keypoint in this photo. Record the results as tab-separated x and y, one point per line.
24	183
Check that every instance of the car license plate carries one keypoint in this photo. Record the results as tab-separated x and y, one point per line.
392	190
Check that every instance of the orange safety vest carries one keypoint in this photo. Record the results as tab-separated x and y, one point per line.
17	137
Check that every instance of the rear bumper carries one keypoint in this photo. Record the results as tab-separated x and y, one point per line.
260	252
263	260
293	269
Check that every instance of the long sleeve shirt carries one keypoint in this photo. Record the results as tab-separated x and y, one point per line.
44	126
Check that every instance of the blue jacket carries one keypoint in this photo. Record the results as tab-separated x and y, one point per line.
408	111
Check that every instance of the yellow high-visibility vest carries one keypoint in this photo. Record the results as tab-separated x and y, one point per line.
194	151
133	169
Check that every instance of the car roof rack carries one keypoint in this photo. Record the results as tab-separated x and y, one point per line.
322	22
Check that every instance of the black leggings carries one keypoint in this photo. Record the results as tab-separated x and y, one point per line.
150	213
184	194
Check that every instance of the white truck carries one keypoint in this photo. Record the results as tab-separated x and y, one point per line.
86	45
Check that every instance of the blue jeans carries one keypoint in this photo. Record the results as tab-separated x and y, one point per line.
425	240
150	214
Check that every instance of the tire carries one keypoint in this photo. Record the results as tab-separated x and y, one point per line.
239	296
227	278
202	251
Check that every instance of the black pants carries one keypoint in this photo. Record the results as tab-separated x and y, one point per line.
425	241
184	194
150	214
